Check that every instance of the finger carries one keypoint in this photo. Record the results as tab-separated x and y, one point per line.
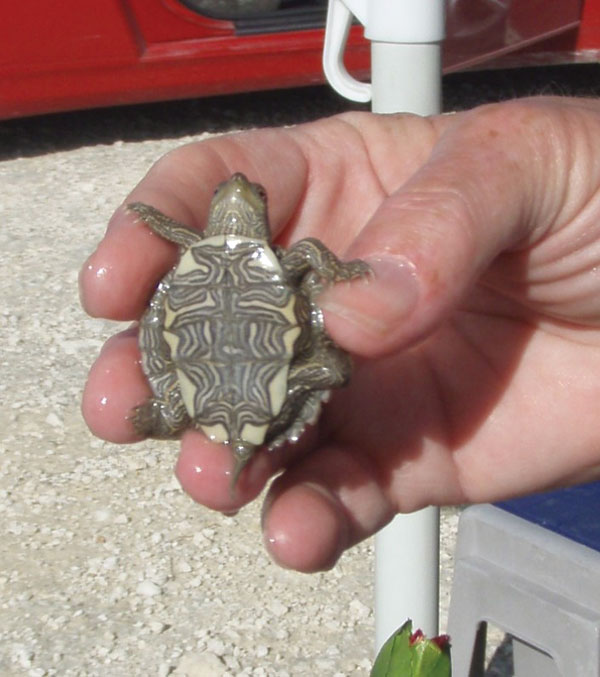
205	470
118	278
325	504
115	385
482	192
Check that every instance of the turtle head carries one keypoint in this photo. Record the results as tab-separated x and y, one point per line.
239	207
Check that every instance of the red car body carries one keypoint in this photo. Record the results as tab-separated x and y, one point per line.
83	53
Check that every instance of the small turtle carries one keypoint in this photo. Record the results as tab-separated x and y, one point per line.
233	342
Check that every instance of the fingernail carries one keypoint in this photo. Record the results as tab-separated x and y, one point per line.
381	302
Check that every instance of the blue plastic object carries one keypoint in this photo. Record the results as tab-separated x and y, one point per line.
573	512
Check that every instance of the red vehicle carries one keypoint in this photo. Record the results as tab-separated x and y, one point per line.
83	53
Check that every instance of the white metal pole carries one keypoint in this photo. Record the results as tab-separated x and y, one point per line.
407	78
407	574
406	75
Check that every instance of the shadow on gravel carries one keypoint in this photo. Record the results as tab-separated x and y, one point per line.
171	119
42	134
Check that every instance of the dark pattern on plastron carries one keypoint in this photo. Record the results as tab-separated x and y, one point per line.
222	341
231	333
221	267
236	403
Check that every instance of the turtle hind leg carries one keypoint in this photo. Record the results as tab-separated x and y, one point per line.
163	416
159	419
310	380
291	430
326	366
164	225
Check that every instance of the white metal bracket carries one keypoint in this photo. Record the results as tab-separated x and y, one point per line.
407	22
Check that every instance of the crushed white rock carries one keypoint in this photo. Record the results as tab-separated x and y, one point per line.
107	567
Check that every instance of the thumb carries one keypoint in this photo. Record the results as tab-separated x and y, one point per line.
430	240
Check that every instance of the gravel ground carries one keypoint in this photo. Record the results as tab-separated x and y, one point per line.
106	567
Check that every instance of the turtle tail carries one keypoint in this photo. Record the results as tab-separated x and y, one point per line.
242	453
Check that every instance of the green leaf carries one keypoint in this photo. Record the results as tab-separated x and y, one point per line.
412	655
394	659
430	660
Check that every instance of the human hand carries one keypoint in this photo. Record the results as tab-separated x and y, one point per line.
479	368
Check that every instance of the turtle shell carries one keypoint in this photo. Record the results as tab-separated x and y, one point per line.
231	323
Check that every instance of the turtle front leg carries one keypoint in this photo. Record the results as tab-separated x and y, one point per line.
164	415
311	255
164	225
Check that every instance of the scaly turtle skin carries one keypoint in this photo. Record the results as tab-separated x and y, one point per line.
233	342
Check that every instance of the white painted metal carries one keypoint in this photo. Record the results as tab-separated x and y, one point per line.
407	574
339	18
413	84
410	23
406	37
